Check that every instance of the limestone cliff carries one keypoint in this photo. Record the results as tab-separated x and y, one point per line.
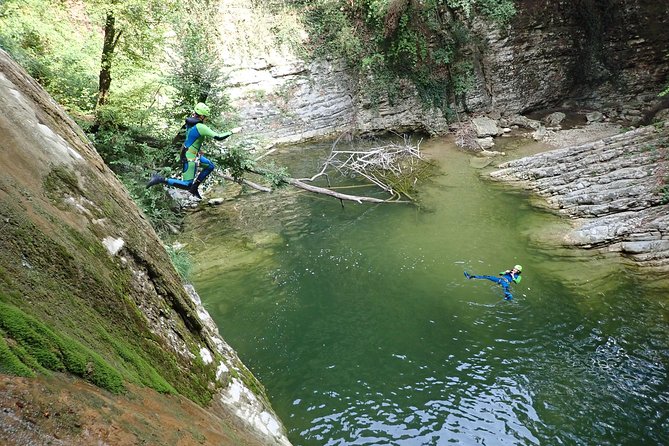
609	55
597	54
88	291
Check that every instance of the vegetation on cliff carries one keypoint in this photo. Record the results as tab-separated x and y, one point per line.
57	272
106	63
426	43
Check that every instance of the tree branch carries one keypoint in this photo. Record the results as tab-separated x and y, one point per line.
330	192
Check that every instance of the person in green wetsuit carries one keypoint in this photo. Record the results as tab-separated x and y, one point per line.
191	153
508	276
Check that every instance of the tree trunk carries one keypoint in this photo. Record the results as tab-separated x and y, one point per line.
110	41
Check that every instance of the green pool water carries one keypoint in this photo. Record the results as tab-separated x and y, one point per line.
360	323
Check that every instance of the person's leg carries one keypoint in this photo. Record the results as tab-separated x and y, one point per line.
187	175
156	179
188	171
179	184
208	167
507	291
491	278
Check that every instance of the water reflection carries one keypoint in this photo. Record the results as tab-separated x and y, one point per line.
362	328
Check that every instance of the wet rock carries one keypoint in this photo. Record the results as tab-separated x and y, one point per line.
523	122
594	117
485	143
612	187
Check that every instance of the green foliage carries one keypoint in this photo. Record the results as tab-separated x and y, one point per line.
384	83
156	204
387	41
238	161
664	194
275	175
499	11
143	25
28	344
64	59
197	75
332	32
61	47
134	156
286	29
182	261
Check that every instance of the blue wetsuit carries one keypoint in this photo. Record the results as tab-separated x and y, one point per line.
505	278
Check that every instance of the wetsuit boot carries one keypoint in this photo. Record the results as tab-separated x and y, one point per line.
194	189
155	179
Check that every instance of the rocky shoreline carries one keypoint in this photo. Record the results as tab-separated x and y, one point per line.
615	189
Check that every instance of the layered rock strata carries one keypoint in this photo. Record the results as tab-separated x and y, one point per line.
616	189
609	56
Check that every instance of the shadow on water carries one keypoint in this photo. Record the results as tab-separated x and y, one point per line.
360	323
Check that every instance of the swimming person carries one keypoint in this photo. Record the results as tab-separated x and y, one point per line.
508	276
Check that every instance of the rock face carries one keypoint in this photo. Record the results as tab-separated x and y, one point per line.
593	52
596	54
298	101
78	258
617	189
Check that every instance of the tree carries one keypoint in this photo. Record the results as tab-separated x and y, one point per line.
135	28
429	43
197	73
111	38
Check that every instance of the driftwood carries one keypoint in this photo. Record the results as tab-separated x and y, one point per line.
248	183
330	192
391	168
308	187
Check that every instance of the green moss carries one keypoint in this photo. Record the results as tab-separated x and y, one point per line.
9	362
249	380
59	181
139	369
69	306
37	343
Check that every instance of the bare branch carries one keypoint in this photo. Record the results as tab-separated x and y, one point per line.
390	167
248	183
330	192
393	168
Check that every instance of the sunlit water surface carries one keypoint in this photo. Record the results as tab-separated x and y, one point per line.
364	331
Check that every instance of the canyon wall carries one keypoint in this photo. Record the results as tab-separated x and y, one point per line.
609	55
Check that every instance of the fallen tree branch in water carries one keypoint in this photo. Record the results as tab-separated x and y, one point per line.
393	168
308	187
332	193
316	189
248	183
